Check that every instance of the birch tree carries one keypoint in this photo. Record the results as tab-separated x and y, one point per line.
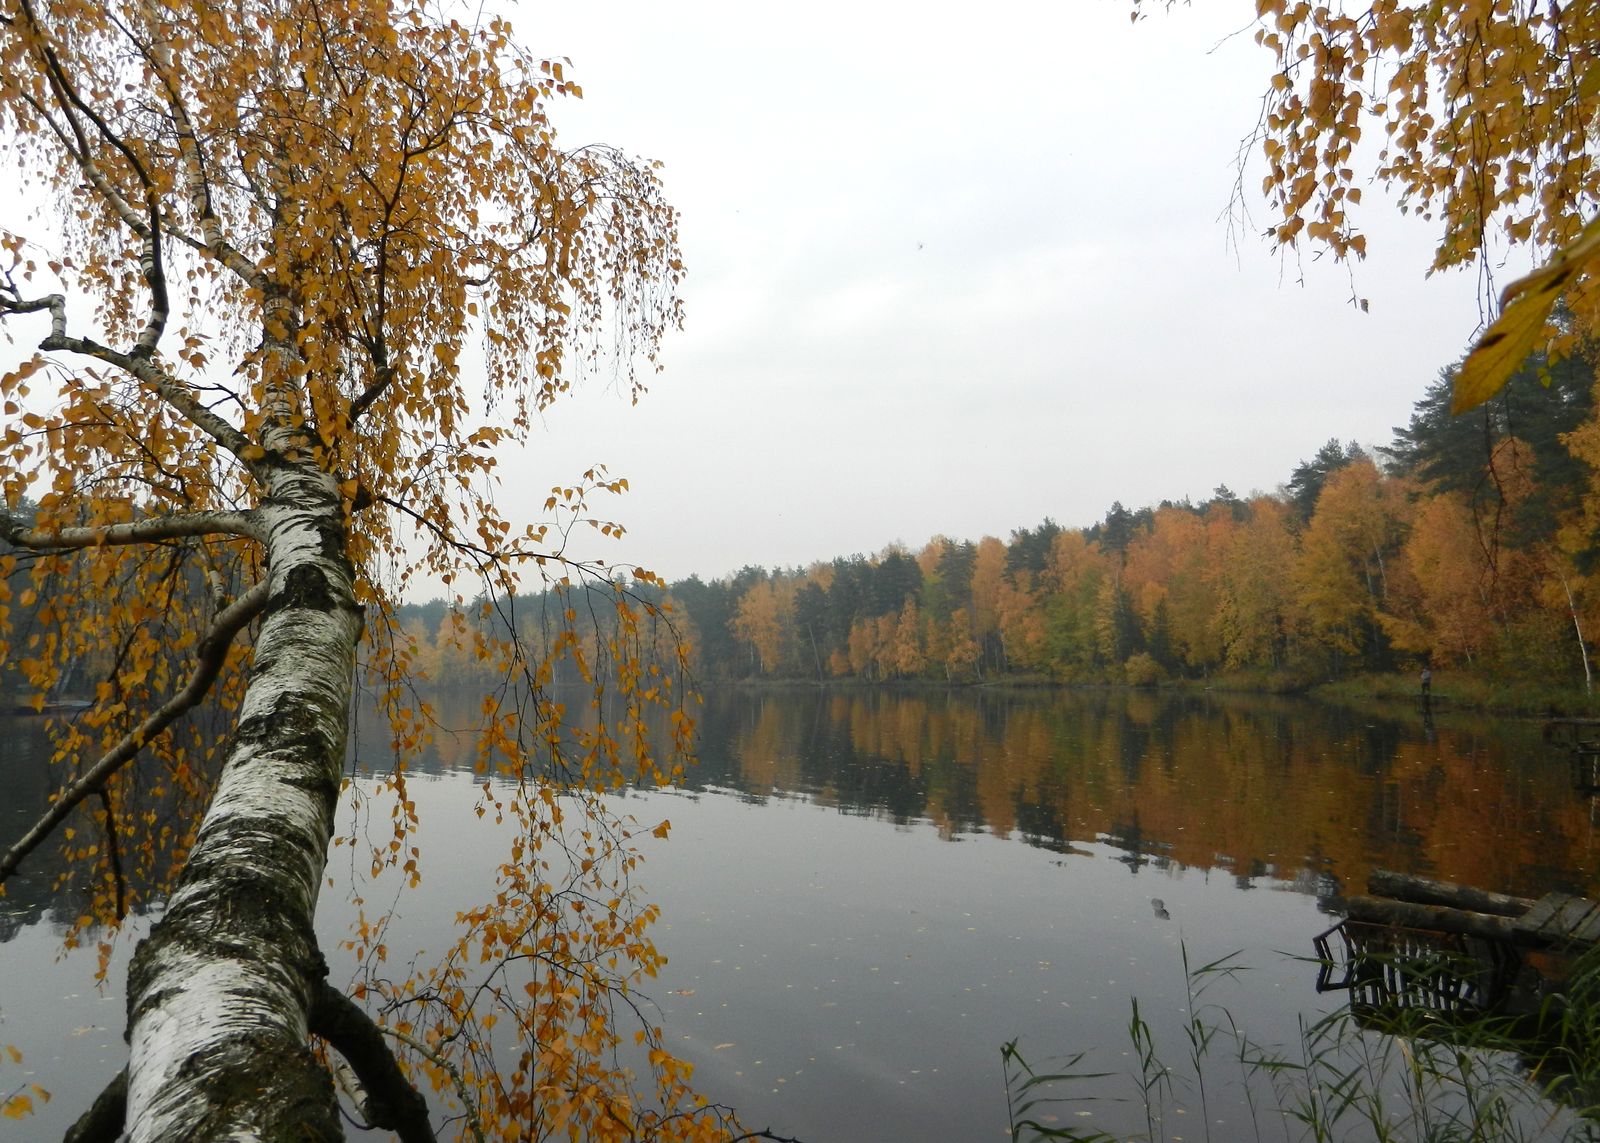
277	229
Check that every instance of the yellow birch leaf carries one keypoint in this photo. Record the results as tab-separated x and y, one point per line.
17	1107
1524	306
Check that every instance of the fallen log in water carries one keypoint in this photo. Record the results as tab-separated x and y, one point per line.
1405	887
1438	918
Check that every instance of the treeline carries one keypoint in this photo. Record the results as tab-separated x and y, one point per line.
1467	541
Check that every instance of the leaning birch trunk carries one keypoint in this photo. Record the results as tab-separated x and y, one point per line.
219	992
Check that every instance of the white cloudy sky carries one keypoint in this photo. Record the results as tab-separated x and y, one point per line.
954	269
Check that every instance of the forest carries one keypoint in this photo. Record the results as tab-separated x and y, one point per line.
1465	543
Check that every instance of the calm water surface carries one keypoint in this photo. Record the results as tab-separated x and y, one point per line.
865	894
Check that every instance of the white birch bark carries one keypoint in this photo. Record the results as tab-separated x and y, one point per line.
219	992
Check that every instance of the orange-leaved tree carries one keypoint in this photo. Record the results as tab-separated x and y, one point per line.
243	426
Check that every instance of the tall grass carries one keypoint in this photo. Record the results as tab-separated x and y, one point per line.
1403	1076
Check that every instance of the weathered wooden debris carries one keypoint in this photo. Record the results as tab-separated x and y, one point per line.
1426	891
1413	943
1560	919
1389	968
1436	918
1555	920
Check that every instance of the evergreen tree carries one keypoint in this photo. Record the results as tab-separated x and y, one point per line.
1305	483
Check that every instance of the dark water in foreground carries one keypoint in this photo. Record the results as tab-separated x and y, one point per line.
865	894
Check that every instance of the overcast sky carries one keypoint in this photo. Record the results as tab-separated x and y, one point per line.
953	272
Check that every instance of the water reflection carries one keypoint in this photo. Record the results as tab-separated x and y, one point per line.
841	980
1252	787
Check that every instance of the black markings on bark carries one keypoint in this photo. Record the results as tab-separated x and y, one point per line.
307	587
297	1086
293	725
304	587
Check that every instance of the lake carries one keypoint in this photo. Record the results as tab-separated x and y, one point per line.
866	893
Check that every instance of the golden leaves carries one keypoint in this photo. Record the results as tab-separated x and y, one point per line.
1510	147
18	1104
349	200
1525	308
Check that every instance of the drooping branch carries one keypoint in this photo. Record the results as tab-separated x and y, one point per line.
209	657
155	528
392	1103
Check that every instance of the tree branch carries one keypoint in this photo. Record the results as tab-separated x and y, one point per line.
209	656
104	1120
197	186
383	375
114	854
142	366
393	1103
145	531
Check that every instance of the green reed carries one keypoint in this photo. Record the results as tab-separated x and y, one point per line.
1412	1075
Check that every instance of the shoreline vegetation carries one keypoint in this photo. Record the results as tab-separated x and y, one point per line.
1462	692
1463	547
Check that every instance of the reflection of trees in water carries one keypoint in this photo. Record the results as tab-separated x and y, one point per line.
1255	786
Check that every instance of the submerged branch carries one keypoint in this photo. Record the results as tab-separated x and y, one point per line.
392	1102
209	657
